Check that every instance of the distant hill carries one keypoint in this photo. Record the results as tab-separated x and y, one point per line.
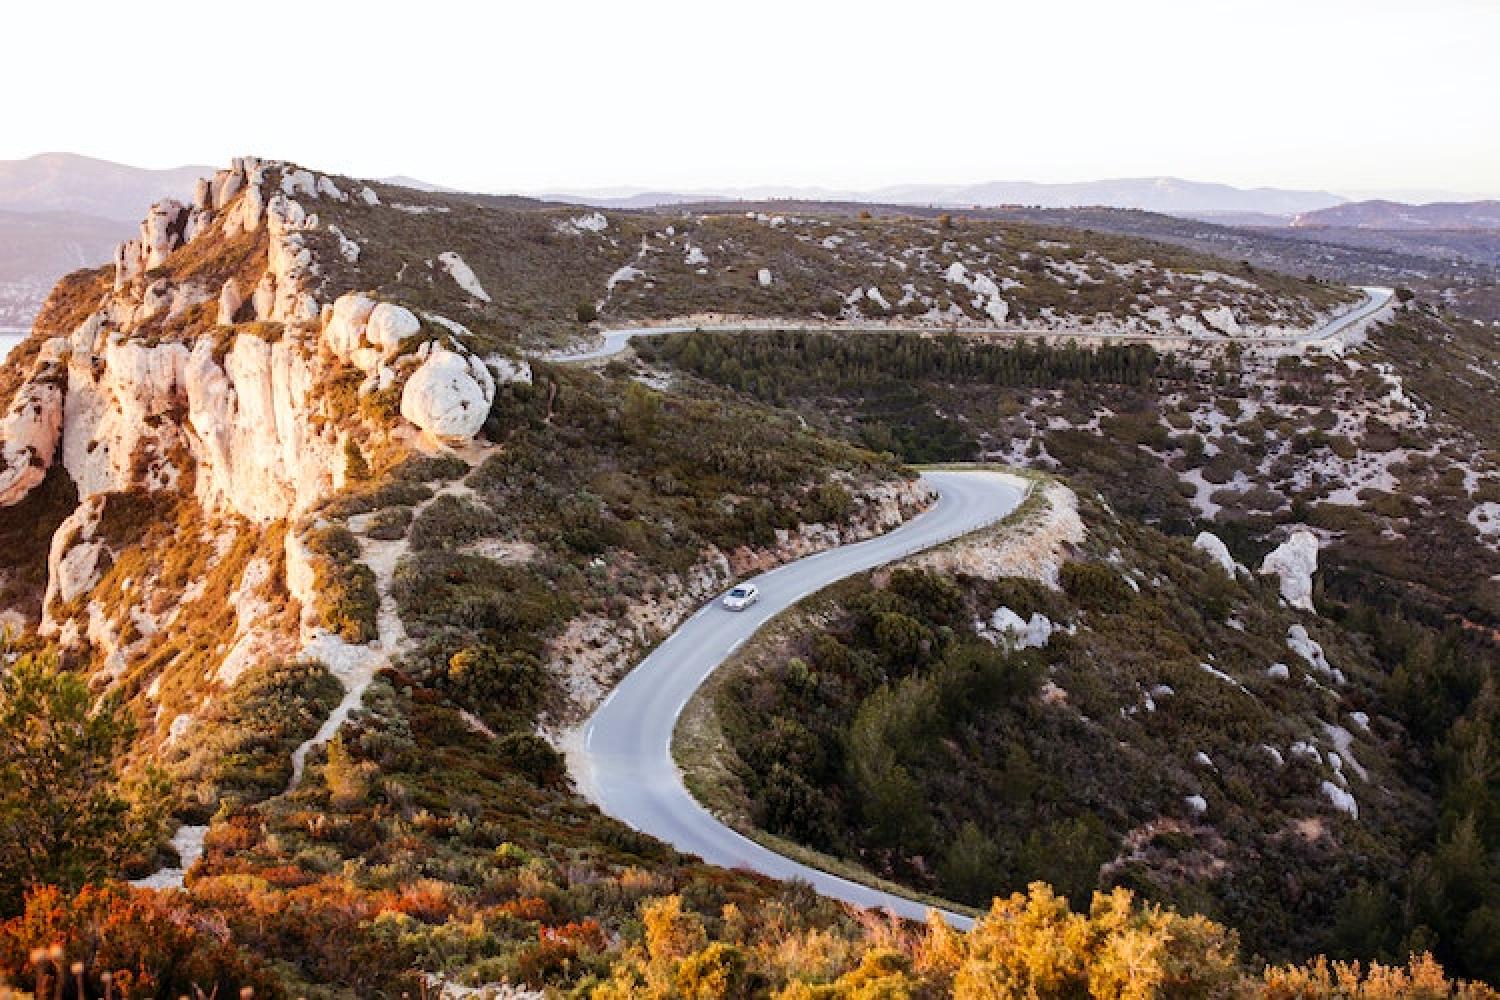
1397	215
1170	195
37	248
417	184
66	182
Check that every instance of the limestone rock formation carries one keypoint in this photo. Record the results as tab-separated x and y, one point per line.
449	395
1295	561
29	432
1212	546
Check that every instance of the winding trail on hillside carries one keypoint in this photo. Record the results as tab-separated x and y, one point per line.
622	760
1376	301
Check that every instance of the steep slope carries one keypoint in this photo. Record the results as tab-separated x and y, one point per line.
1112	709
263	487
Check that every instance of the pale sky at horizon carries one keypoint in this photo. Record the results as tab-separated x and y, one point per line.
1375	95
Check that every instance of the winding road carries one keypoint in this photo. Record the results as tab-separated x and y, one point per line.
623	760
1376	300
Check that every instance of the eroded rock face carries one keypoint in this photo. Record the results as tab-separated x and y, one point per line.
31	430
257	453
449	395
1295	561
73	559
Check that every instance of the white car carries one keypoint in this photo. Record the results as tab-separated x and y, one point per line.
741	597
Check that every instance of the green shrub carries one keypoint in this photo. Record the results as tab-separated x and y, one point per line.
1094	586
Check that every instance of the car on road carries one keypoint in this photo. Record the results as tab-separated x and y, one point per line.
741	597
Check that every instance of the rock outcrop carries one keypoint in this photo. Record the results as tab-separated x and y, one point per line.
1213	546
247	411
30	431
1295	561
449	395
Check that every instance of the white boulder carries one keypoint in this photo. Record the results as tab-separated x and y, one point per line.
507	370
449	396
1305	646
1010	628
1340	799
345	330
389	325
1213	546
463	275
1222	319
1295	561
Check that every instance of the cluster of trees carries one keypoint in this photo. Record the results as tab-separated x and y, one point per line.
1444	687
845	746
780	366
899	385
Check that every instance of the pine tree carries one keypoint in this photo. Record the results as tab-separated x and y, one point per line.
67	816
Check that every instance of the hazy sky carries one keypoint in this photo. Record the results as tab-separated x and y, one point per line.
1350	95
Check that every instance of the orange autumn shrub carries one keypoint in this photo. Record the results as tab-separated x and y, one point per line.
151	943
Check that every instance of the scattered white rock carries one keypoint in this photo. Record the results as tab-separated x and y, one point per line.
1299	642
695	256
188	843
1295	561
1214	671
1279	672
1222	319
348	248
1485	519
627	273
1007	627
1212	546
594	222
463	275
1197	803
764	277
1343	741
1341	799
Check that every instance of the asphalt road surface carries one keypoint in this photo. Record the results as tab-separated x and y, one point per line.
615	341
624	763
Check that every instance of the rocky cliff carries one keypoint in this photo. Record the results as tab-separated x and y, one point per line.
215	433
202	396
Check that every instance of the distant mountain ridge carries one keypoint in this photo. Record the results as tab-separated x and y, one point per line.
1380	214
1170	195
67	182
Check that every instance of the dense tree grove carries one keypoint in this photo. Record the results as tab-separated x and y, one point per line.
889	375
